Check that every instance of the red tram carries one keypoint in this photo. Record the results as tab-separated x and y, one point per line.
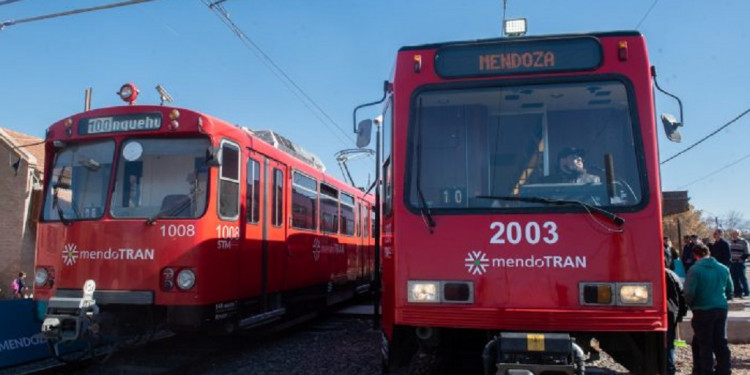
486	247
191	221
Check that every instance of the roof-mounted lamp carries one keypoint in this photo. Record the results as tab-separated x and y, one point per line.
128	92
514	27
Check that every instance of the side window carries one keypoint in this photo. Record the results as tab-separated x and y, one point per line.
365	222
329	209
347	214
387	188
304	201
229	181
252	200
278	197
358	218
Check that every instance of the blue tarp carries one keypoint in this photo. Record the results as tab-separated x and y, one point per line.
20	333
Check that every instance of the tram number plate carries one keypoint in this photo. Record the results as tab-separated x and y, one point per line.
453	197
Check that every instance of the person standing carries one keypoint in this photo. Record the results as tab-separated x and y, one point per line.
720	248
676	310
668	259
739	251
19	286
687	252
706	286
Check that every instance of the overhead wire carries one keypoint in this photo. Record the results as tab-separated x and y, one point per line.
715	172
6	2
70	12
646	15
308	101
708	136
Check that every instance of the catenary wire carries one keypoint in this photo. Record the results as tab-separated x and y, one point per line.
6	2
276	70
219	10
715	172
646	15
708	136
71	12
286	82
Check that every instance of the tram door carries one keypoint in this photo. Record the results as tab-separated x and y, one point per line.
273	249
263	261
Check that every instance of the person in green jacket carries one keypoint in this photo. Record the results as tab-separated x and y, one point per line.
706	287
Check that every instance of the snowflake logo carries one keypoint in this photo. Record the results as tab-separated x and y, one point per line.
477	262
70	254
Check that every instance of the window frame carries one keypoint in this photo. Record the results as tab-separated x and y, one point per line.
295	185
227	143
252	191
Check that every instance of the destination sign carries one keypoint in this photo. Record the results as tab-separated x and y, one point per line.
518	57
119	124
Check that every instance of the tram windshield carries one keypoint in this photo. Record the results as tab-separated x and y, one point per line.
78	187
567	141
164	178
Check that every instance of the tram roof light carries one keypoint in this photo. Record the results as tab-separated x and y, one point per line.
128	93
514	27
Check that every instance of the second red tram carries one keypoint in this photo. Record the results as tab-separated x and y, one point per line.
491	244
192	222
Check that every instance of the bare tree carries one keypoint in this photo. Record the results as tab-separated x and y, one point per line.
734	219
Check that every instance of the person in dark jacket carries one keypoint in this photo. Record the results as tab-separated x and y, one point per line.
676	310
720	248
687	252
706	288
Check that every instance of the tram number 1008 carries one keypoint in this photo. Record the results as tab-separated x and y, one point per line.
177	230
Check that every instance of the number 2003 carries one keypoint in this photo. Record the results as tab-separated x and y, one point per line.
514	232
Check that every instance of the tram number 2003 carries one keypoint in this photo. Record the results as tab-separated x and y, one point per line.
531	232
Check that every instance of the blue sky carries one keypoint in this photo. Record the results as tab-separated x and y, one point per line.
339	52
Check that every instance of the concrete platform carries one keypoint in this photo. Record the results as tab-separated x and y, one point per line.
738	323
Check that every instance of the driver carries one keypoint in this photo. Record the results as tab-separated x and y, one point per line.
571	169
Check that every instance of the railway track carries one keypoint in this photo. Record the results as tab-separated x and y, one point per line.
202	353
341	343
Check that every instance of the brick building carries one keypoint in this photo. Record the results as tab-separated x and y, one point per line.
20	201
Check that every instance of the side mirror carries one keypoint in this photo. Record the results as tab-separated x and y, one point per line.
213	156
364	131
670	127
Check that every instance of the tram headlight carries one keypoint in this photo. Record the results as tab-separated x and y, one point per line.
634	294
185	279
41	276
423	291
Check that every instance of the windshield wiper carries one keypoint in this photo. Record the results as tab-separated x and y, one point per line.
55	201
560	202
424	209
178	206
